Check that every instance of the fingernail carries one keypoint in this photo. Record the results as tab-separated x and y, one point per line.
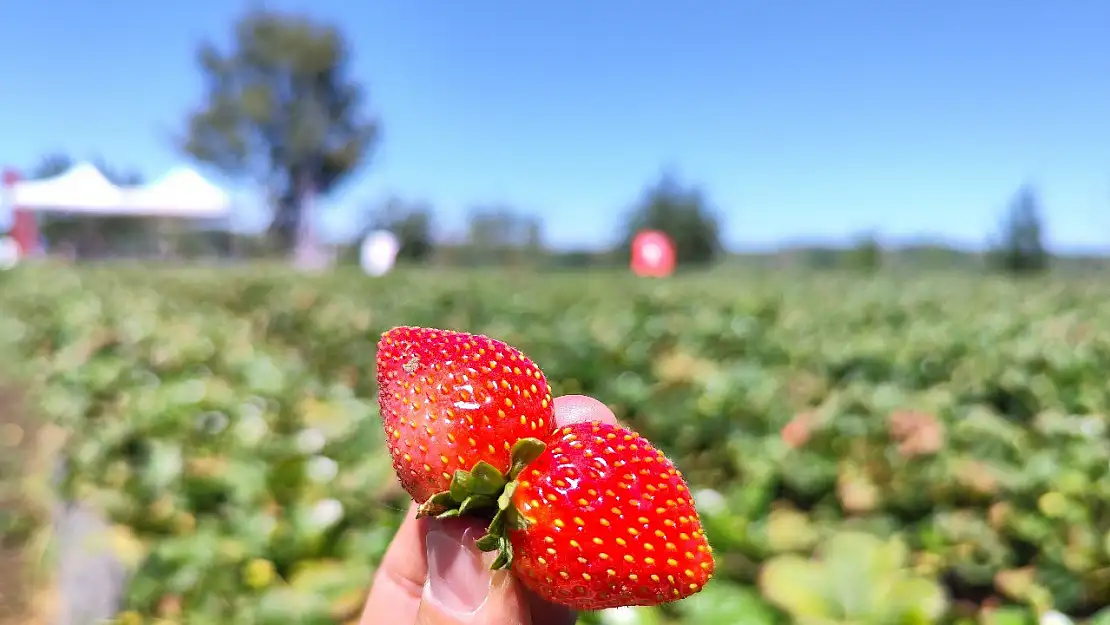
458	578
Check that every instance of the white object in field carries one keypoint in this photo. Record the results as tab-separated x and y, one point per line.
652	252
9	253
711	501
1052	617
378	252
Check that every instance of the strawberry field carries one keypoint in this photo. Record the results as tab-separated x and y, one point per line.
941	443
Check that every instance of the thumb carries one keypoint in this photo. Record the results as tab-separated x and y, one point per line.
460	588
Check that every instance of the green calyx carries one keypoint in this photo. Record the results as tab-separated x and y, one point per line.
485	492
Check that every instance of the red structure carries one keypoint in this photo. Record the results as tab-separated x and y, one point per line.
25	225
653	254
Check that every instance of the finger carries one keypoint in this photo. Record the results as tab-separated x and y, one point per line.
461	589
395	591
571	409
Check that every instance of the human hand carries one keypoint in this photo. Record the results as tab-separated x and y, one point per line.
433	574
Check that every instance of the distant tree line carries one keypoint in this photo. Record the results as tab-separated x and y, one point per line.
1017	248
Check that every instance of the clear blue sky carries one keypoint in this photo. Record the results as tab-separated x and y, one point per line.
802	119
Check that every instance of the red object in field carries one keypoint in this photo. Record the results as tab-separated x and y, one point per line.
25	226
652	254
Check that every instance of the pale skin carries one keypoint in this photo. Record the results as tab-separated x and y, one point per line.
402	594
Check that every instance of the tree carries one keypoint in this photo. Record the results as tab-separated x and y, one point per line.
1020	246
411	223
500	234
684	214
51	165
118	176
280	110
866	253
819	256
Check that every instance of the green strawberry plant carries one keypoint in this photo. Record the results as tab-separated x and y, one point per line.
855	578
225	422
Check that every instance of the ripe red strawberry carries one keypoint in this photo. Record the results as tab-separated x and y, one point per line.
453	405
601	519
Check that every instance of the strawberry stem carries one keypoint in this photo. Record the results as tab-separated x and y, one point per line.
484	490
524	453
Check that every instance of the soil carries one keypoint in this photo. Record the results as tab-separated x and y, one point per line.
16	435
87	583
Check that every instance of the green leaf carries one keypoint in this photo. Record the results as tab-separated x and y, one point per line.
504	556
328	577
725	602
797	585
505	501
489	542
286	604
461	486
470	493
443	499
1014	615
497	524
524	452
500	562
856	565
487	480
633	616
789	530
913	600
475	503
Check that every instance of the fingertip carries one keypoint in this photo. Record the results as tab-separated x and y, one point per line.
571	409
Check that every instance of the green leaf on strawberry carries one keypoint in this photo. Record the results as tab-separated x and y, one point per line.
481	490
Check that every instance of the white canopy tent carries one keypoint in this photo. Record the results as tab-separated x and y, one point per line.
181	193
83	189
